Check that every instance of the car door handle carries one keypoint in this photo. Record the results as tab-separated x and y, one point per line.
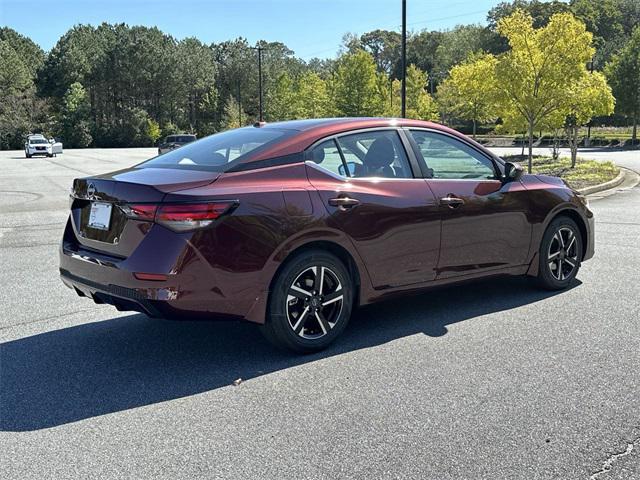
451	201
344	203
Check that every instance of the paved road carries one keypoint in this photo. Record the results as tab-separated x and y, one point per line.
625	158
489	380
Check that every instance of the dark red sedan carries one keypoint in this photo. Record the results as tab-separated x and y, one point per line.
292	225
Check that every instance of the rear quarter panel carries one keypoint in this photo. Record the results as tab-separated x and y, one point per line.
278	211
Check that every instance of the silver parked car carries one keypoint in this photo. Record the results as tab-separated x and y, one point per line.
38	144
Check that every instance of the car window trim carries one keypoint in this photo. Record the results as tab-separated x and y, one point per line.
412	167
498	171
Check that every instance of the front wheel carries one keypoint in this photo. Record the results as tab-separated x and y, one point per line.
310	303
560	254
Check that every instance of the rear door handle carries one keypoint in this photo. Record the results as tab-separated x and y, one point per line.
451	201
344	203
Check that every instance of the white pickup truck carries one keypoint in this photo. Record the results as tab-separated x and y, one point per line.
39	145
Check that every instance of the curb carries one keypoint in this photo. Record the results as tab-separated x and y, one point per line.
606	185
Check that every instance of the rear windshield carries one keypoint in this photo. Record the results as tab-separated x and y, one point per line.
218	152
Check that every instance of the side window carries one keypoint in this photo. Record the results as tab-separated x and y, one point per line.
327	156
375	154
448	158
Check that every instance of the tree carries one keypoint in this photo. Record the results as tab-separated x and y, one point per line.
420	105
384	46
152	131
30	54
196	71
14	75
355	86
604	19
471	89
589	97
623	73
457	44
312	97
21	111
76	116
232	114
540	11
281	100
538	72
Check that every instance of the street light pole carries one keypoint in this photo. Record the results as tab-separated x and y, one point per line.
404	59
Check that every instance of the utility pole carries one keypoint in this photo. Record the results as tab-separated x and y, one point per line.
588	141
404	59
239	106
391	93
259	48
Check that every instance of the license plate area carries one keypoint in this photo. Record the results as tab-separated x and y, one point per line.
100	216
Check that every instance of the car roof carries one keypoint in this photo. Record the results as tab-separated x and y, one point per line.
312	130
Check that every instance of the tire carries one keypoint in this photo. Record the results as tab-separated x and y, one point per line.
300	317
560	254
27	155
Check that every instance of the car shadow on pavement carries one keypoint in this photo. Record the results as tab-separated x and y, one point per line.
108	366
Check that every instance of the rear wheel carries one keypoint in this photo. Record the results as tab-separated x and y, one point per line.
560	254
310	303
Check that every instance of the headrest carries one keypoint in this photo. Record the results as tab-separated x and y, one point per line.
317	155
380	153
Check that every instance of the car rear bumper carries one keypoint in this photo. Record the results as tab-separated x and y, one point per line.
123	298
193	289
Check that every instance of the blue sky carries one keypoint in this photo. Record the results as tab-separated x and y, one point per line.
309	27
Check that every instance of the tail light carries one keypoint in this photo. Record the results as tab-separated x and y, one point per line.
180	217
142	211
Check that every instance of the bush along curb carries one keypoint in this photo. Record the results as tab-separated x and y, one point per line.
606	185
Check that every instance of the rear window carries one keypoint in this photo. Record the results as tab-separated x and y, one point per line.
218	152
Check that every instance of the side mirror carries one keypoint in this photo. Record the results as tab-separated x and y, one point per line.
352	169
512	172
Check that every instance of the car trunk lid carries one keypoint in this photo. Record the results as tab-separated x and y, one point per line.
99	222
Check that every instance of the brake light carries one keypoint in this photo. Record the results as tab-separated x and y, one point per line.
180	217
185	217
142	211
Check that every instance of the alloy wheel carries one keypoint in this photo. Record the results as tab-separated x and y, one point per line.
562	256
314	302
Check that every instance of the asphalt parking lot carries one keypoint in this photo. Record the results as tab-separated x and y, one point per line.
486	380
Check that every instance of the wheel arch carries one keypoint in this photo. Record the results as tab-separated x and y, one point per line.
335	249
565	210
573	214
328	240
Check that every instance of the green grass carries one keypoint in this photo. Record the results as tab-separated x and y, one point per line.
585	174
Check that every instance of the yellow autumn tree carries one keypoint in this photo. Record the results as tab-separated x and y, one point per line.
537	75
470	90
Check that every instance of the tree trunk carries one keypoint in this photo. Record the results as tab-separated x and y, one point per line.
474	128
530	164
573	139
635	129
